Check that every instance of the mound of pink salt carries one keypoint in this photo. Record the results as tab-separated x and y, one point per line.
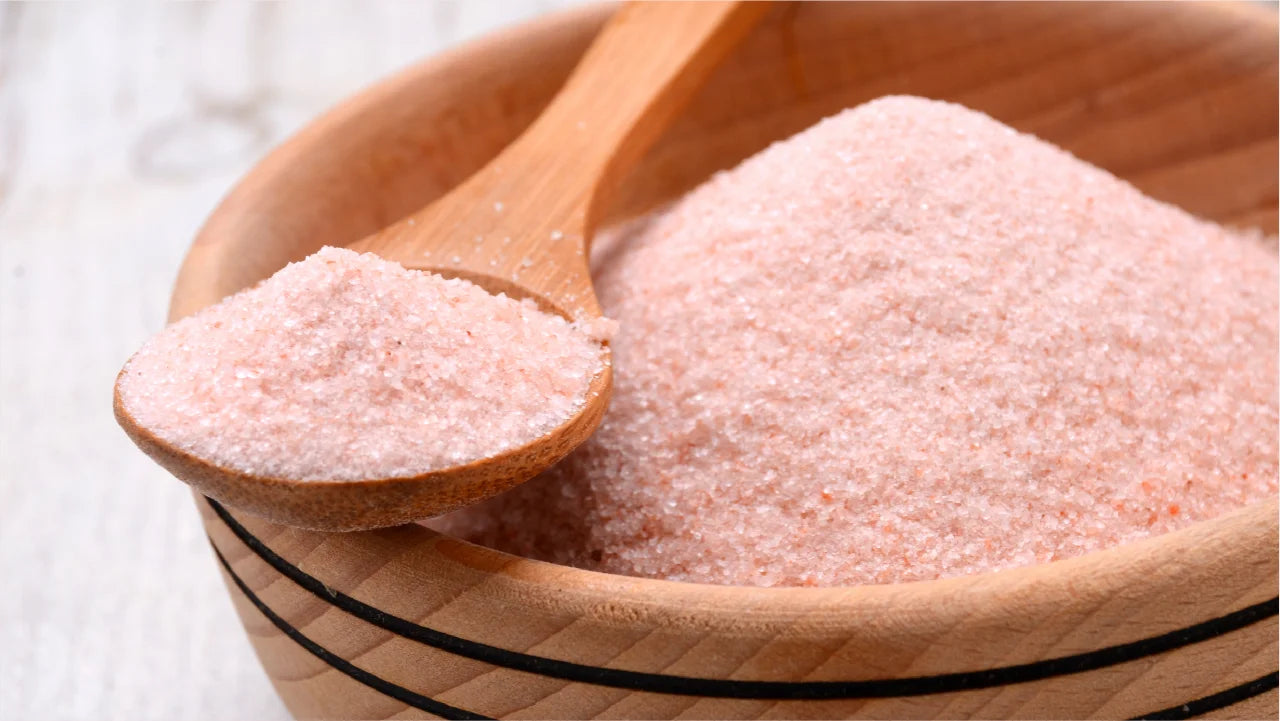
904	344
346	366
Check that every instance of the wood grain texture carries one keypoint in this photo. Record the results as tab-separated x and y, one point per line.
1178	98
1090	608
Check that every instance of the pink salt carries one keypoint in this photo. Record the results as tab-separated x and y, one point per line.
346	366
910	343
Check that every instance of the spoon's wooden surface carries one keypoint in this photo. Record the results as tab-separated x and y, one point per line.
523	222
522	226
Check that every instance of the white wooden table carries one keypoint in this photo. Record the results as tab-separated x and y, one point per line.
121	124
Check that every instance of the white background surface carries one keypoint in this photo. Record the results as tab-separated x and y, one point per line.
121	124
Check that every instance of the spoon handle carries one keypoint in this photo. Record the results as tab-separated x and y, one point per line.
522	224
632	82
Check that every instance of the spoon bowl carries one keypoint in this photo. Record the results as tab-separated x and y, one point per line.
372	503
520	226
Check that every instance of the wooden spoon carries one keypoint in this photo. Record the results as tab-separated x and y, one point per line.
521	226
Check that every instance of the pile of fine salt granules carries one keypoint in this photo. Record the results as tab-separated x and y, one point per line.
909	343
346	366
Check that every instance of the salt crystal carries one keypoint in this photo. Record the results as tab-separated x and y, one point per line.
999	355
349	366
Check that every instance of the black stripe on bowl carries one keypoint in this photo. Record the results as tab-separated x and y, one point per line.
760	690
1222	699
1191	709
373	681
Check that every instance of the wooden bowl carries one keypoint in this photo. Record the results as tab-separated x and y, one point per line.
1179	98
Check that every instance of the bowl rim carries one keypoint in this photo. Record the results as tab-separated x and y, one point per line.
1103	570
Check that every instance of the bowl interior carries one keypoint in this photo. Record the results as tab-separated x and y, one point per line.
1178	99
